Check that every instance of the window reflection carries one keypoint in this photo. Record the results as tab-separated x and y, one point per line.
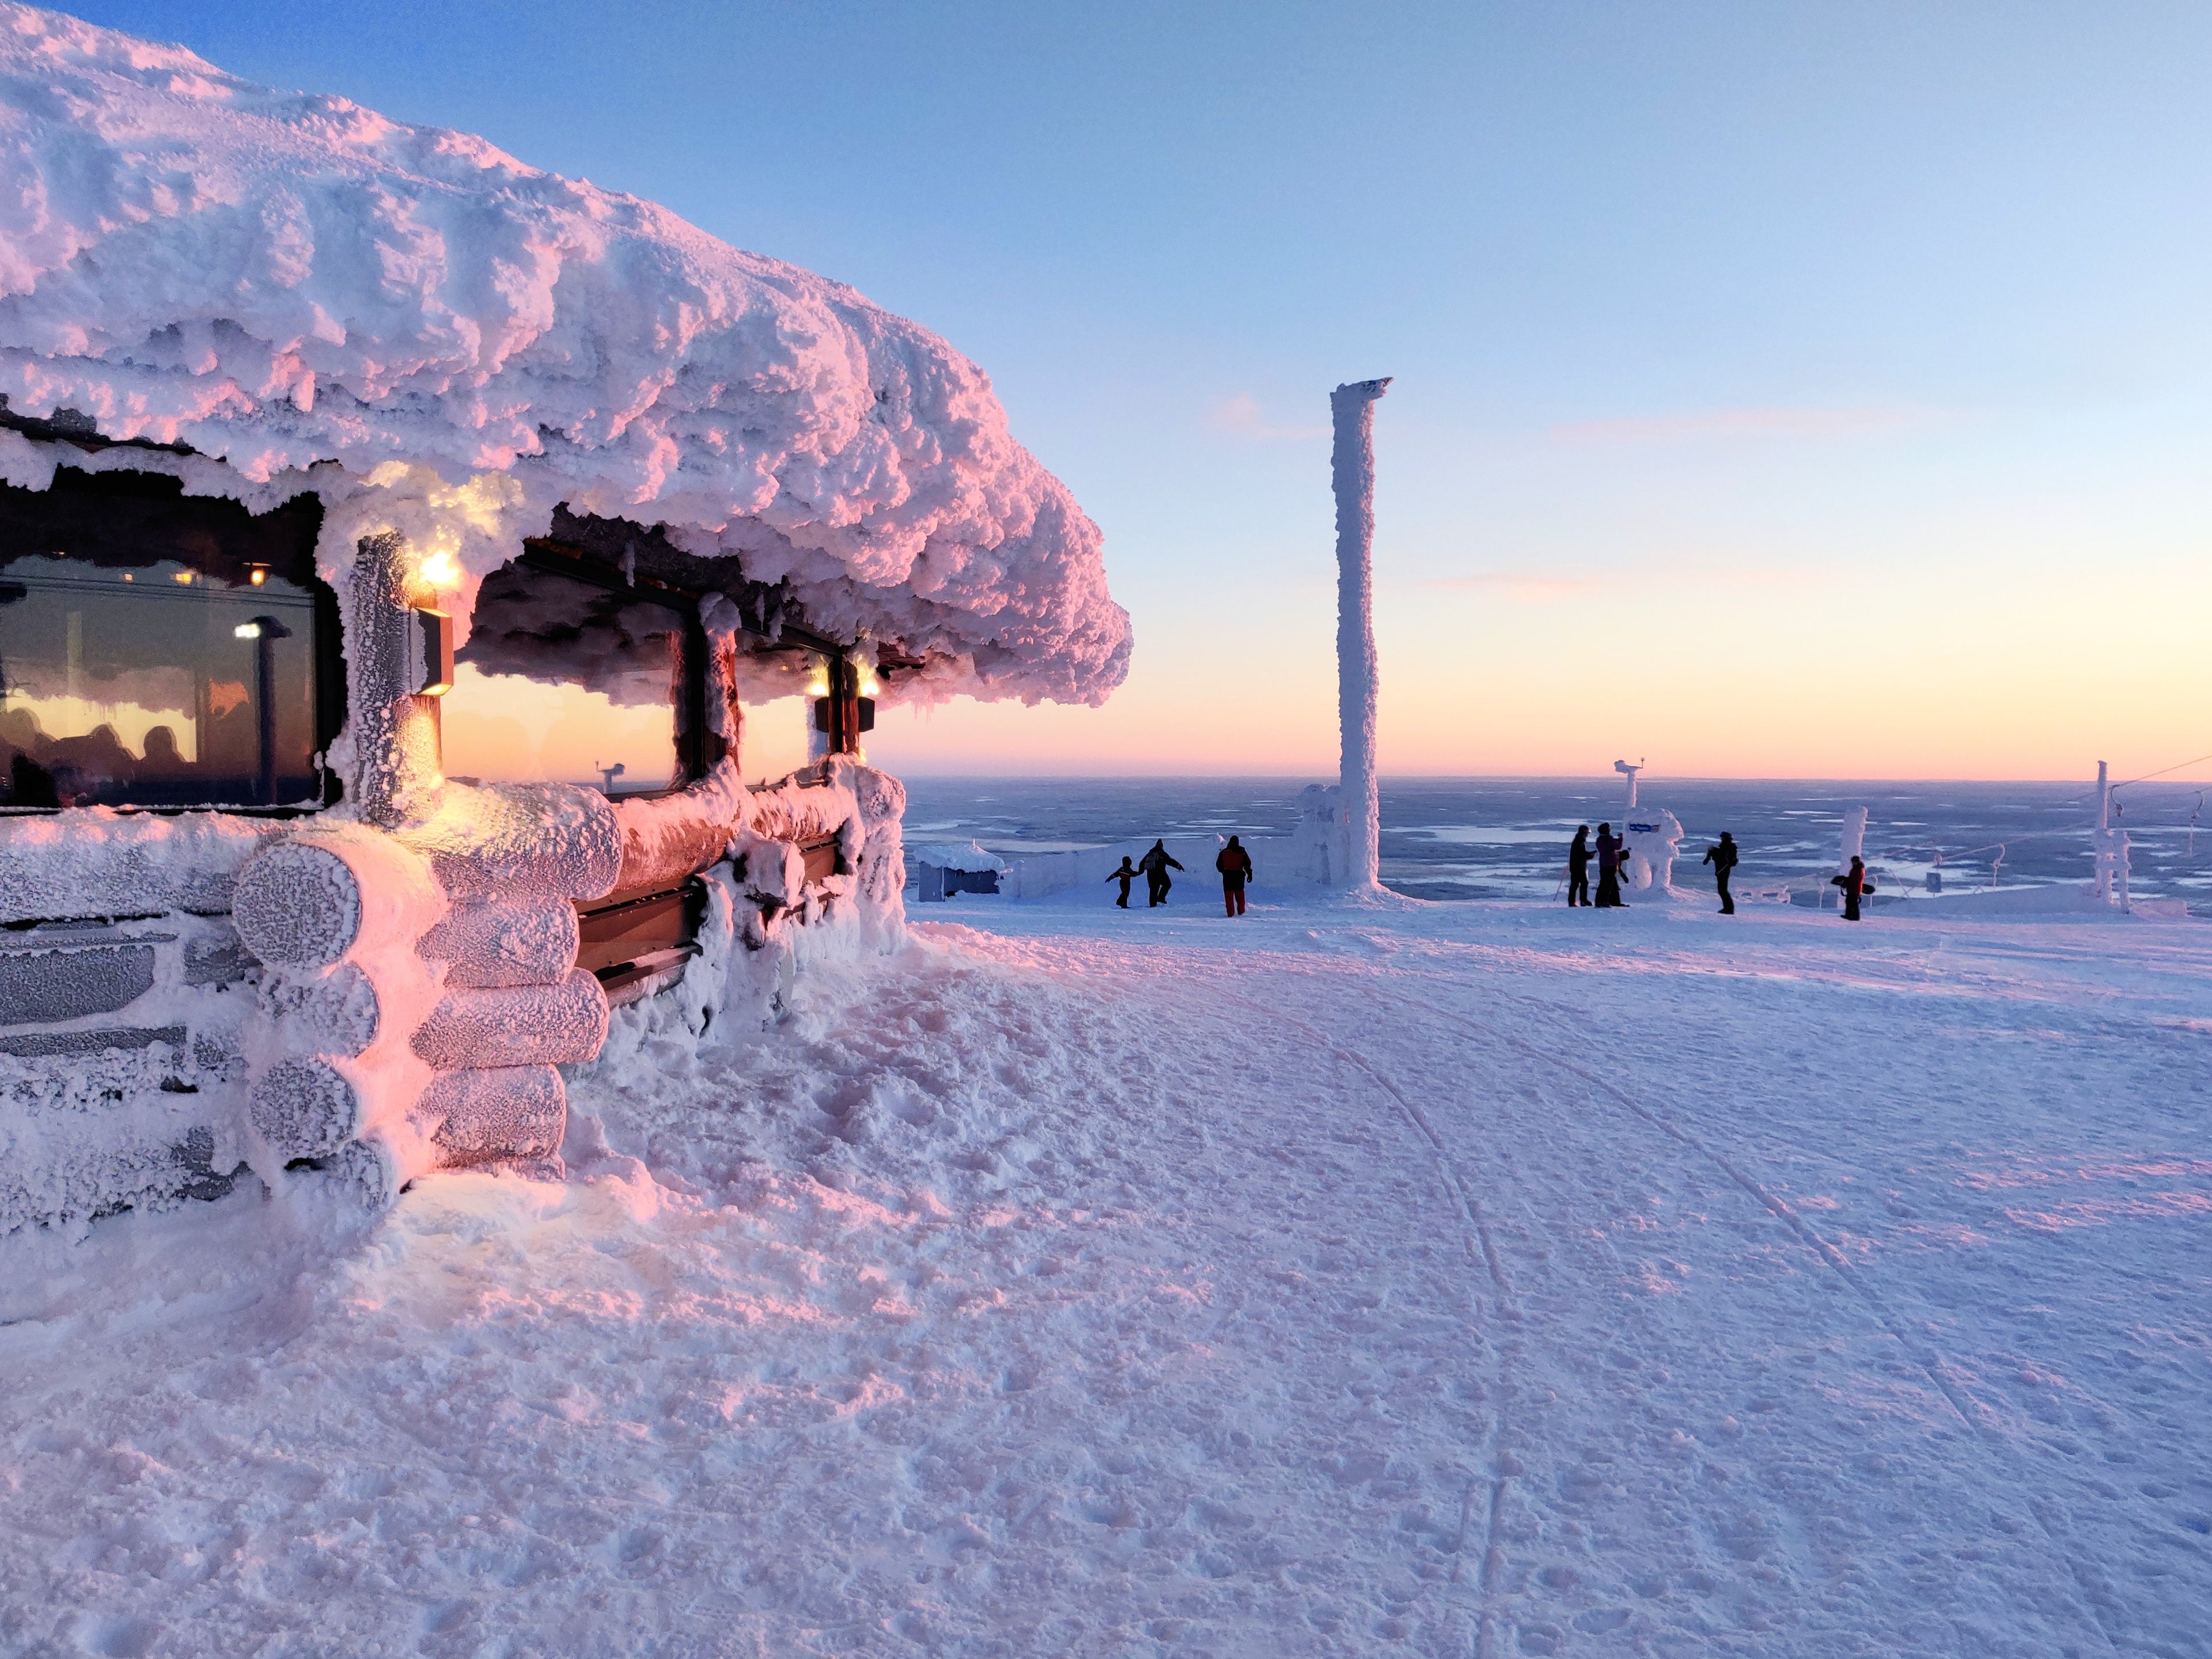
162	685
562	681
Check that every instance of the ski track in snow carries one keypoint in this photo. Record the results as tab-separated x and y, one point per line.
1437	1279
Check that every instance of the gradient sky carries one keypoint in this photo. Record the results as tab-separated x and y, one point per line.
1782	390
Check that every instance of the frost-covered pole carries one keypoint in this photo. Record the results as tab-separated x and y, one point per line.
1351	464
2104	866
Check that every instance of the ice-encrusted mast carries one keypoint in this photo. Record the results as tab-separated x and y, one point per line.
1352	467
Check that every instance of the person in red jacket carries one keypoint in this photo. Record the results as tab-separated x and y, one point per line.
1236	867
1853	882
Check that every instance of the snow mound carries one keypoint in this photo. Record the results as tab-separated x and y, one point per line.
279	279
971	856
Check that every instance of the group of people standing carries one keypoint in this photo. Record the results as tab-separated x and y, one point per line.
1612	852
1233	863
1612	849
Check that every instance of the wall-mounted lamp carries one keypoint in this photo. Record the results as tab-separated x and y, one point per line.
429	652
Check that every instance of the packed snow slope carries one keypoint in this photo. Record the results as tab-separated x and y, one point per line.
1426	1279
278	279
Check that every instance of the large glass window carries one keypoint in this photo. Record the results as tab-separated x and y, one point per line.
156	650
565	680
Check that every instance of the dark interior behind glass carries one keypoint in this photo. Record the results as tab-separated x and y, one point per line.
158	649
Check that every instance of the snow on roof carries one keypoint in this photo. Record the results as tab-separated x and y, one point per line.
278	279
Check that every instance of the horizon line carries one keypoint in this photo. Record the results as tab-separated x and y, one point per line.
1644	778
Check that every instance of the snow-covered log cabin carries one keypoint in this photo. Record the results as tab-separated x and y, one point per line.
342	463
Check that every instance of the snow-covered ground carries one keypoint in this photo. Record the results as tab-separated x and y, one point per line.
1475	1279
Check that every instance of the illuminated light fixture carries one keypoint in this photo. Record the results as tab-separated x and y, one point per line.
440	570
247	631
128	577
184	575
260	575
429	652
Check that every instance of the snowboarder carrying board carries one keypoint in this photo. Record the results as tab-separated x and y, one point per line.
1236	867
1853	882
1722	859
1156	865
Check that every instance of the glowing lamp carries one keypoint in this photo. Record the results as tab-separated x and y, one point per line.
247	631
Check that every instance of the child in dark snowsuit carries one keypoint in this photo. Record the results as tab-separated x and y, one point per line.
1156	865
1578	857
1853	882
1125	875
1236	867
1722	859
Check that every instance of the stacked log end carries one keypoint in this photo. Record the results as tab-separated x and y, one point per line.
424	985
333	915
510	1116
512	860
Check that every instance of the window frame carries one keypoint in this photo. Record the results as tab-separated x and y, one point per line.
327	648
697	748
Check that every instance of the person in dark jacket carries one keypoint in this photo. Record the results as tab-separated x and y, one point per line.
1125	875
1609	869
1156	865
1578	857
1236	867
1853	882
1722	859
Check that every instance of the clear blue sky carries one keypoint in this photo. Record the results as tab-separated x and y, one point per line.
1818	389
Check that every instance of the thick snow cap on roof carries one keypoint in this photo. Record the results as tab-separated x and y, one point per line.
278	279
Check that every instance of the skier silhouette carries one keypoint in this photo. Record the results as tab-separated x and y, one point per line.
1578	857
1722	859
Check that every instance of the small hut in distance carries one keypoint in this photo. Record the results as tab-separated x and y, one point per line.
374	443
